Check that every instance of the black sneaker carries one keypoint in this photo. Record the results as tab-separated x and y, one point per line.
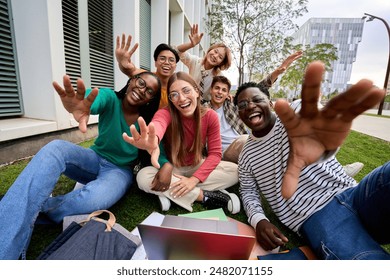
222	199
215	199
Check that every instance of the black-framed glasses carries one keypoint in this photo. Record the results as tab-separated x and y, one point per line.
163	59
174	95
141	84
243	104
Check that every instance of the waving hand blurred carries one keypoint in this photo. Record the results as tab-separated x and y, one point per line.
314	133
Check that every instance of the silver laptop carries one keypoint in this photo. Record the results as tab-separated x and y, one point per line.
181	238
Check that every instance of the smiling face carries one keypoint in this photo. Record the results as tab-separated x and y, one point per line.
184	97
255	111
165	64
215	56
219	92
142	88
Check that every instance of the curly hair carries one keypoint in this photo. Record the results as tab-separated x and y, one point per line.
244	86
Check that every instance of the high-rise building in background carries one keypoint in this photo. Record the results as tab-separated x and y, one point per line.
345	34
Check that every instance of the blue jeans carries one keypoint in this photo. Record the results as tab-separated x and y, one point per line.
105	183
355	222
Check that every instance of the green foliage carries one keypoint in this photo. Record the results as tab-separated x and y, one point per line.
254	29
279	94
293	77
214	24
331	95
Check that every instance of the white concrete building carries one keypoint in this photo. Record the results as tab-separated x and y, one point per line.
41	40
44	39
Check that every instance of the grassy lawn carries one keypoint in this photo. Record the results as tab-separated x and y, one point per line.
136	205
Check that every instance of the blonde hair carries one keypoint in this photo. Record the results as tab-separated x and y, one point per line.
177	150
226	62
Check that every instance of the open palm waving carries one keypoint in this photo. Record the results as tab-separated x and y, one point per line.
314	133
74	101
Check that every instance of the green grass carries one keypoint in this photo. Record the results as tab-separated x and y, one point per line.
136	205
376	115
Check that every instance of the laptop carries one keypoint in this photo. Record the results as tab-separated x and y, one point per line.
182	238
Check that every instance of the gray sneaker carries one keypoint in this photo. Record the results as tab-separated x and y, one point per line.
353	168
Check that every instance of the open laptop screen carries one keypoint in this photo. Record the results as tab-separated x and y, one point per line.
164	243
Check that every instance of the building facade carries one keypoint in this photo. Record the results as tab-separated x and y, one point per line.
41	40
345	34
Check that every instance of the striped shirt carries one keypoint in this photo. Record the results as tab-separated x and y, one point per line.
262	164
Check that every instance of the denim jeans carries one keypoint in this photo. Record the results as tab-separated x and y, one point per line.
355	222
105	183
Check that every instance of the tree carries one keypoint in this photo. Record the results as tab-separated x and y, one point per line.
293	77
254	30
214	24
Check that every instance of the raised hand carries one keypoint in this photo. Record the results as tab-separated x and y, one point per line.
287	62
146	140
312	132
194	36
123	55
74	101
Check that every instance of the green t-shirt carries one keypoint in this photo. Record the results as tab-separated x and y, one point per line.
109	144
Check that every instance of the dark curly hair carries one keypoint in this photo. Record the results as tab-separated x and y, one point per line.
244	86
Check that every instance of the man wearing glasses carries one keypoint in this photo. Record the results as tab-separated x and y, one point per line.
234	133
165	61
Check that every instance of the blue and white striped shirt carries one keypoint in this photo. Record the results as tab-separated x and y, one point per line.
261	166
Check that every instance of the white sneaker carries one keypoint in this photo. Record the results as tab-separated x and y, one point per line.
165	203
353	168
78	186
234	205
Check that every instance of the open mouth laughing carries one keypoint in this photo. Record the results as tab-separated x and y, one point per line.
255	118
137	96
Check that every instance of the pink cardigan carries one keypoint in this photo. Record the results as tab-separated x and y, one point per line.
210	135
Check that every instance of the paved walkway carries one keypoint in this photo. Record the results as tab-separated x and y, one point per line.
373	125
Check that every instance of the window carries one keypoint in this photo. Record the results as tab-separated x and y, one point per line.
71	39
101	43
10	97
145	30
